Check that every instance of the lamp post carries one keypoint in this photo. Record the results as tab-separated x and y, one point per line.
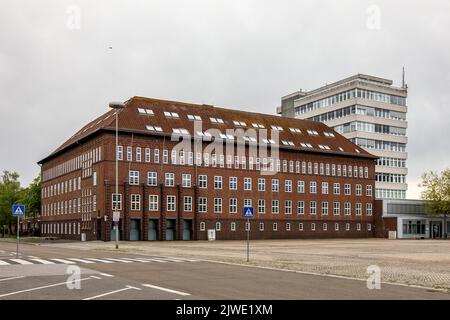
117	106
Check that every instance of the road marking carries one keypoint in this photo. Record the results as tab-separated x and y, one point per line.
183	259
136	259
81	260
107	275
20	261
95	277
63	261
154	260
119	260
12	278
4	263
172	260
43	261
100	260
34	257
167	290
112	292
39	288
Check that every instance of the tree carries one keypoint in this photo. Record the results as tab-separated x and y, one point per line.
437	194
9	195
31	198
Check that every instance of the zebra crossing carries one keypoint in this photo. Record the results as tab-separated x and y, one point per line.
31	260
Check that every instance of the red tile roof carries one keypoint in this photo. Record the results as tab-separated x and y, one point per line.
131	120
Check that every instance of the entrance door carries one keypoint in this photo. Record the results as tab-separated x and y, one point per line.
170	229
187	225
134	229
153	230
435	230
113	233
99	229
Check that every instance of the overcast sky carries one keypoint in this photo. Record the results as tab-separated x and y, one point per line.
57	71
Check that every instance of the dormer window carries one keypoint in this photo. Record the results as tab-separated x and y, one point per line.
324	147
287	143
257	125
239	123
306	145
194	117
277	128
216	120
171	114
329	134
295	130
180	131
312	132
145	111
154	128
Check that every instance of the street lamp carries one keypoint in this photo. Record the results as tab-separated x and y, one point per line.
117	106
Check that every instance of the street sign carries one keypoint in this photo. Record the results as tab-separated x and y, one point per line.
18	210
116	216
249	213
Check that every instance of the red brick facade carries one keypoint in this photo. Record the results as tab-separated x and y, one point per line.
88	209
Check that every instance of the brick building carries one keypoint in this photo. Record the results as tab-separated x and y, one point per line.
186	168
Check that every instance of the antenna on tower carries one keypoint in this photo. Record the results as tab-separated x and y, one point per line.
403	79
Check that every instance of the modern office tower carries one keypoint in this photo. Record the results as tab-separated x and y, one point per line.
369	111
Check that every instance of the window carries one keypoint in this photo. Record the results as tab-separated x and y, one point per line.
261	226
247	202
275	226
275	206
202	181
313	207
218	226
336	208
347	208
116	202
174	157
202	226
261	184
300	207
347	191
275	185
170	179
312	187
119	153
232	205
129	154
152	178
368	209
366	172
347	227
324	208
358	190
301	186
288	226
135	202
336	226
187	203
288	186
186	180
288	207
165	156
336	188
138	154
257	125
194	117
261	206
202	204
171	114
133	177
369	190
171	203
233	226
313	226
217	182
147	154
233	183
156	155
248	184
217	205
295	130
358	227
94	178
153	202
216	120
324	187
325	226
239	123
154	128
300	226
358	209
369	227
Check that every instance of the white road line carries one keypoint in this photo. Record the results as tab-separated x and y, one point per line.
20	261
112	292
171	259
95	277
183	259
39	288
99	260
63	261
34	257
167	290
4	263
118	260
135	259
43	261
107	275
80	260
12	278
154	260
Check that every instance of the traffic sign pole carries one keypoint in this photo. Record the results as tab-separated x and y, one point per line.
18	232
248	240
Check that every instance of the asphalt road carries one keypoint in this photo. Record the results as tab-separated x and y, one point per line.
43	272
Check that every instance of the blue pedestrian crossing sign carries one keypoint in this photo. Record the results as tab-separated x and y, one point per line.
249	212
18	210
